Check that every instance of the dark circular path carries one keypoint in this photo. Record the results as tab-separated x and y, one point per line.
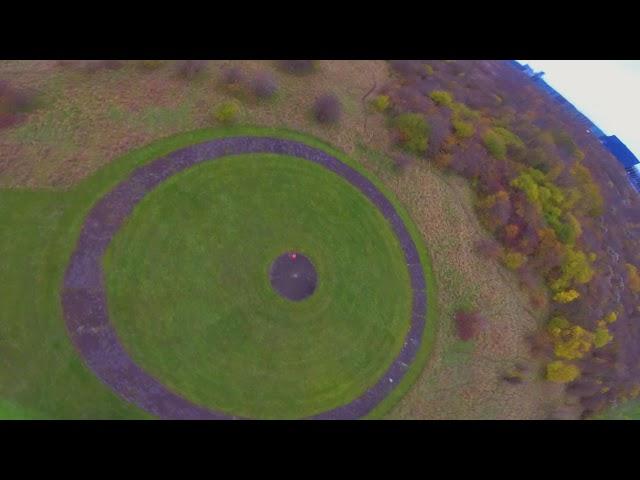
293	276
84	300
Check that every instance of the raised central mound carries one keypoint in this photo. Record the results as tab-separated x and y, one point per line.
293	276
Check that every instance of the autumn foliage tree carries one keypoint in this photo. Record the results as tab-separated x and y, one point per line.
327	108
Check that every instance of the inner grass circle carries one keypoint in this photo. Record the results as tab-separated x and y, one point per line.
293	276
185	281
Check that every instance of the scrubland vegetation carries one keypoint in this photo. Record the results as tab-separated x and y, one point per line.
558	204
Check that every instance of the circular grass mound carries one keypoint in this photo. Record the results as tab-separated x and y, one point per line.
190	295
187	283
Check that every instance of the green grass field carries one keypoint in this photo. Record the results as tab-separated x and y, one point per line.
629	410
189	292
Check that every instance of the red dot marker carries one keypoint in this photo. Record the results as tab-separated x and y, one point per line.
293	256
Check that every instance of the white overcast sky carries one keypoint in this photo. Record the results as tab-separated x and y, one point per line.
606	91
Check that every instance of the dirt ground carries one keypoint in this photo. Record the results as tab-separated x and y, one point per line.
88	119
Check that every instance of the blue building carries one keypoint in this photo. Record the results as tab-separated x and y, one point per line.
625	156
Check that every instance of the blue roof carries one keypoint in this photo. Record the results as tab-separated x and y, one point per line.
620	151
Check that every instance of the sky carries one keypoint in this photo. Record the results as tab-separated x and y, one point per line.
606	91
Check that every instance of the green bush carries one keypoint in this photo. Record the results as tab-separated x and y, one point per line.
414	132
227	112
381	102
498	139
593	200
602	337
564	141
463	129
514	260
462	112
575	269
557	324
442	98
551	202
509	137
494	143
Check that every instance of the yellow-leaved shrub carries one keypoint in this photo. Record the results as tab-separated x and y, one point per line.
566	296
561	372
